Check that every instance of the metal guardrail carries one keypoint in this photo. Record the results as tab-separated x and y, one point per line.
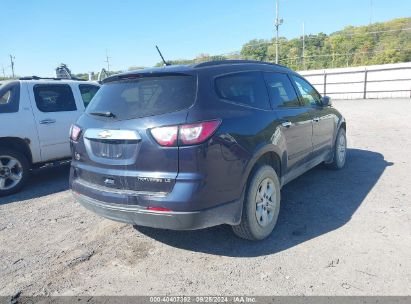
365	81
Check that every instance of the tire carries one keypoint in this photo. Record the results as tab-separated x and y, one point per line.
254	225
339	151
14	171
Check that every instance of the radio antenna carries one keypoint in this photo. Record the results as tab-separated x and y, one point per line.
161	55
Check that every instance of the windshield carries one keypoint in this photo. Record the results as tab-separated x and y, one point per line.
144	96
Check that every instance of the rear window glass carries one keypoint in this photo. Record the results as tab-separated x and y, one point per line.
145	96
245	88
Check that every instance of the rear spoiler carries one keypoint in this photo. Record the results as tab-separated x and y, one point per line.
134	76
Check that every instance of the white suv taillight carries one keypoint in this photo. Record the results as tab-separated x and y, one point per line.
75	132
190	134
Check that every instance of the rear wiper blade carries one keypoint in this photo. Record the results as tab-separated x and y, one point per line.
104	114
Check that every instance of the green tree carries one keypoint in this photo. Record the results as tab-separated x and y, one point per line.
378	43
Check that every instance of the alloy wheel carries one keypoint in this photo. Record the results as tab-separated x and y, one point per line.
265	201
341	149
11	172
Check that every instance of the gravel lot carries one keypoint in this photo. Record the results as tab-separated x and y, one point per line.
340	232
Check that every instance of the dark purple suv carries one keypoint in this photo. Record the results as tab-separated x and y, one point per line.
189	147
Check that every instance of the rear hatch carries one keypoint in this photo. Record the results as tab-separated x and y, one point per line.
116	150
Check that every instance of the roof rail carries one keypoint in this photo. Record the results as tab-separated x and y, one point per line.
220	62
48	78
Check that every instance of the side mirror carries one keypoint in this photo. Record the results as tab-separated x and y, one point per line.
326	101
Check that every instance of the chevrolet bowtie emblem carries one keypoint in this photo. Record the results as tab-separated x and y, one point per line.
105	134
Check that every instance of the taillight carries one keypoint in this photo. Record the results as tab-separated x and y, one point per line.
165	136
190	134
75	132
197	133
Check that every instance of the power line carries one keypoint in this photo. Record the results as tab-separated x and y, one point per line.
268	42
347	54
325	55
373	32
310	58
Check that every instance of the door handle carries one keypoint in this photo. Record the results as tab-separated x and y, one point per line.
287	124
316	119
47	121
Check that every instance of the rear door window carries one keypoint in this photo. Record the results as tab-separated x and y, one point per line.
245	88
145	96
87	92
282	93
54	98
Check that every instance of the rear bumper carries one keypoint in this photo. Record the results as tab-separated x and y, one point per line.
229	213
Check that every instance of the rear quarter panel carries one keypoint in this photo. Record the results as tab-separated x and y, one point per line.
244	135
21	124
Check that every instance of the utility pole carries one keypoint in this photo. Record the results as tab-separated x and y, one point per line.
107	61
303	46
370	12
278	22
4	74
12	64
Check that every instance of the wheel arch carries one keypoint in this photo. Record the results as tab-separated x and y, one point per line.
269	155
341	124
19	144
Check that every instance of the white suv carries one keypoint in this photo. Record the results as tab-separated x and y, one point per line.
35	118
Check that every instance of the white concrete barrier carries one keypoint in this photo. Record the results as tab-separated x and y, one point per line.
373	81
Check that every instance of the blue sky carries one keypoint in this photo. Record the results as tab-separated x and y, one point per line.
43	33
